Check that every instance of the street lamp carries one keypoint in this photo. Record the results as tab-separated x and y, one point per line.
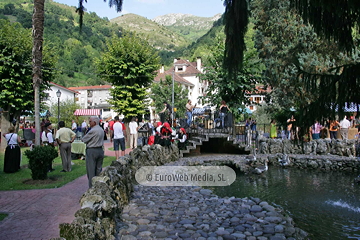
58	94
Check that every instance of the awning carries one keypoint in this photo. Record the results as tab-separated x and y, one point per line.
87	112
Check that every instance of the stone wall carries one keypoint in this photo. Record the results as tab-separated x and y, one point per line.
319	162
315	147
101	204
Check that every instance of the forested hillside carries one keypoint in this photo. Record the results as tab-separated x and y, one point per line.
75	49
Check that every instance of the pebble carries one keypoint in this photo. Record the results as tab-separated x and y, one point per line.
190	212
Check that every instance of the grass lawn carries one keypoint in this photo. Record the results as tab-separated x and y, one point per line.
22	180
2	216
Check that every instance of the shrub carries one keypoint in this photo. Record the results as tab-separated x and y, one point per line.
40	159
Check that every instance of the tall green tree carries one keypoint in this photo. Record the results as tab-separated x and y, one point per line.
162	91
67	109
237	86
289	47
129	64
335	21
17	92
38	34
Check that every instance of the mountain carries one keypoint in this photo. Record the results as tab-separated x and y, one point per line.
189	26
76	49
158	36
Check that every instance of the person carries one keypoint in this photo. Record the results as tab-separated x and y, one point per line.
94	140
74	126
12	156
273	131
119	138
84	127
333	128
133	126
47	139
106	127
315	130
357	124
189	110
223	112
165	134
165	113
42	125
182	137
290	130
344	128
64	137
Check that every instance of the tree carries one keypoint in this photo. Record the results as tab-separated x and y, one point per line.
129	64
236	87
67	109
162	91
295	48
335	21
17	93
38	32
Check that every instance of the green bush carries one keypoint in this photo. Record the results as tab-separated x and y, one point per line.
40	159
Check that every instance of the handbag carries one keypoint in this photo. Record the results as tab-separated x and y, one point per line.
335	127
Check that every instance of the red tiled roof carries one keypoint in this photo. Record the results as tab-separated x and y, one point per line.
260	90
69	89
91	87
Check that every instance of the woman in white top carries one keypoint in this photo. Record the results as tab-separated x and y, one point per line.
182	137
12	152
47	139
47	136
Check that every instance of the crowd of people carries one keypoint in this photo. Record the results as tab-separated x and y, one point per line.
331	128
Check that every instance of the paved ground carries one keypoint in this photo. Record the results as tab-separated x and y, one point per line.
36	214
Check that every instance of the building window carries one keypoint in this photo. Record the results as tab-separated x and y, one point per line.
90	93
46	97
251	107
257	99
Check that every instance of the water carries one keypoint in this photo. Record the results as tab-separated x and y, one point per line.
326	205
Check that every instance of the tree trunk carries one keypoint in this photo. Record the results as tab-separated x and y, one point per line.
38	30
5	124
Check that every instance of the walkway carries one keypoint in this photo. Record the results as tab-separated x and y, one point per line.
36	214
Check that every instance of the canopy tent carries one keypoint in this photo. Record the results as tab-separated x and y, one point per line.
245	110
349	107
87	112
45	113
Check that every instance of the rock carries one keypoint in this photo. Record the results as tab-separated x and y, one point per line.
256	208
206	192
143	221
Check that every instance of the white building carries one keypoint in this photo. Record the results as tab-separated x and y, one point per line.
187	74
95	97
52	99
257	97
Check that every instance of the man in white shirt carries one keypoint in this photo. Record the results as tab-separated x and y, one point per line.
84	127
133	126
74	126
119	138
344	128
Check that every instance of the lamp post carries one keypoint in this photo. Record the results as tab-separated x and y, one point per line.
58	94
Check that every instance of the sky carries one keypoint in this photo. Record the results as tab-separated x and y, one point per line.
153	8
